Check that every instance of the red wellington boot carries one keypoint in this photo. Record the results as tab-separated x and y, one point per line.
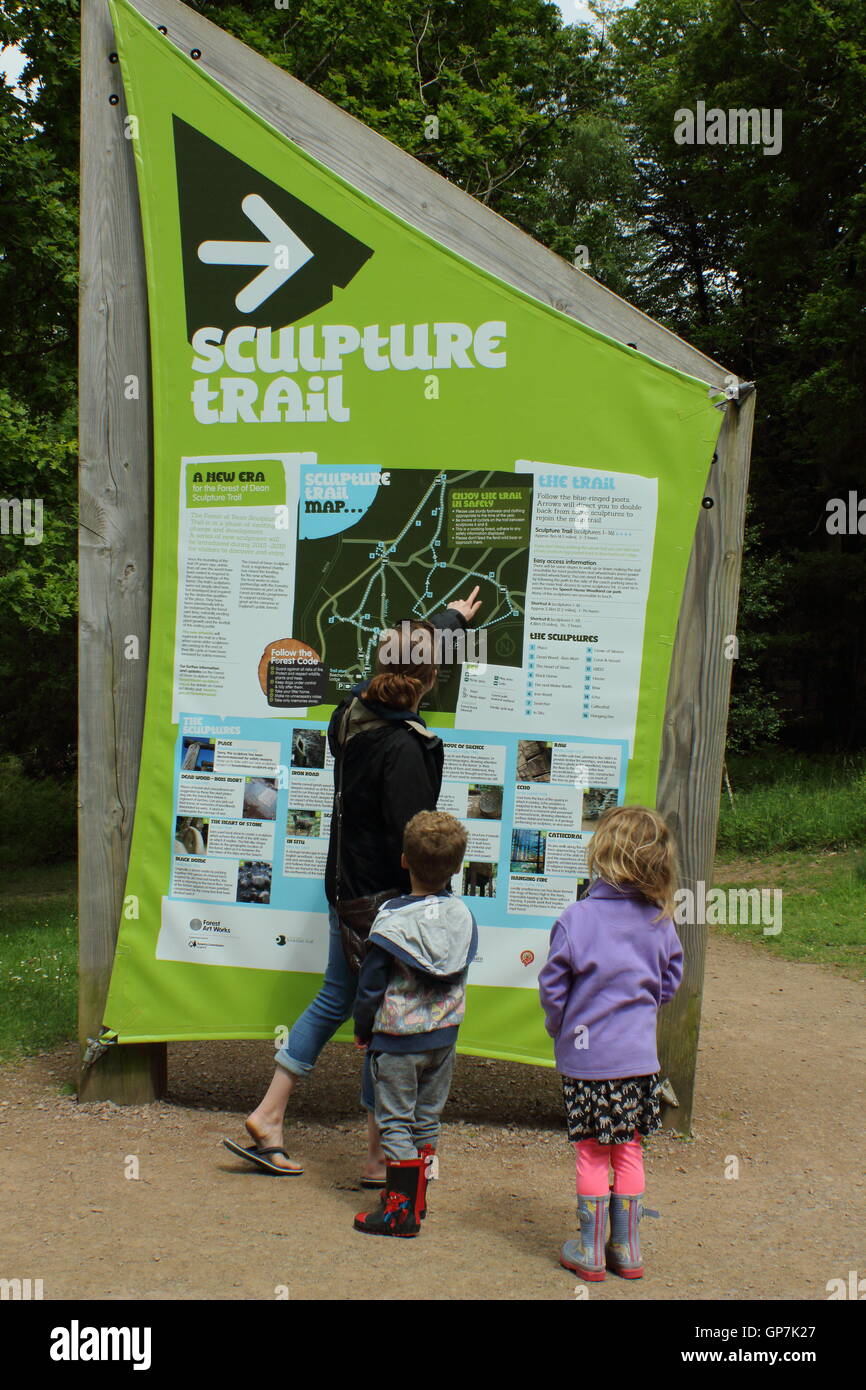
397	1212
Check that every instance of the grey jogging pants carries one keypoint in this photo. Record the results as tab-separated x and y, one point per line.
411	1089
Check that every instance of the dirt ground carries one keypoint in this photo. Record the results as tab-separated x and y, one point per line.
780	1088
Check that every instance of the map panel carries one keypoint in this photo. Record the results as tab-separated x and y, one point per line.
422	540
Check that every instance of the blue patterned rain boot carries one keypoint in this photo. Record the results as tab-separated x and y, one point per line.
585	1256
622	1251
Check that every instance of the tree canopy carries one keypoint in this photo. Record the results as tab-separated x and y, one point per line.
569	131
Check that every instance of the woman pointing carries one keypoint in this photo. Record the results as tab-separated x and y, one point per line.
390	767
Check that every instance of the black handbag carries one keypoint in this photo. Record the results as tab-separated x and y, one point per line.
355	915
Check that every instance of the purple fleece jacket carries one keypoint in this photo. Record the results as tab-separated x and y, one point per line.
609	968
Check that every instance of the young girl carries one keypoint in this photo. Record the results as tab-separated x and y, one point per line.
614	958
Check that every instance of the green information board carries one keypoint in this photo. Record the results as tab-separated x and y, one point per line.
353	425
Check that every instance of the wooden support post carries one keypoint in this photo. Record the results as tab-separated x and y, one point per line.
696	716
114	550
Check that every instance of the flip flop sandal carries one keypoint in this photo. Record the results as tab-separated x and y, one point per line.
377	1183
258	1157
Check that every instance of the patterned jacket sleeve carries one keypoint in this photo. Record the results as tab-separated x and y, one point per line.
372	984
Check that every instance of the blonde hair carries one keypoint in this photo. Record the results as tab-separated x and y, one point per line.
633	848
434	844
404	665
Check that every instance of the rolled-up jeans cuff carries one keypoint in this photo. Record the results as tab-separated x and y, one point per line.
291	1064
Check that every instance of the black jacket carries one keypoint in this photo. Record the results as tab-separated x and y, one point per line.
391	771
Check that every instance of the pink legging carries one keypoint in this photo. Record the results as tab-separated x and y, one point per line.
593	1160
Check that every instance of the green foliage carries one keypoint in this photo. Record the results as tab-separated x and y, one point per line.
784	801
568	131
755	718
504	78
38	589
38	205
761	261
590	199
37	818
38	301
37	582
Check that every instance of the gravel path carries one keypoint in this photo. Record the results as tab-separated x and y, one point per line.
780	1089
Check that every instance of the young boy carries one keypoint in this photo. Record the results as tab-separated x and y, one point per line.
410	1002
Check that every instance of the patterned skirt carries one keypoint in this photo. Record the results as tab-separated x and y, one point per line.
611	1111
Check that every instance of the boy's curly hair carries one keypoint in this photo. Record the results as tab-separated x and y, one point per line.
434	844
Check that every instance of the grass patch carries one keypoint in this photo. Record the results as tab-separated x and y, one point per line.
823	906
789	801
38	960
37	818
36	884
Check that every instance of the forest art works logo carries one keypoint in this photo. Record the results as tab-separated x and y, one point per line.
738	126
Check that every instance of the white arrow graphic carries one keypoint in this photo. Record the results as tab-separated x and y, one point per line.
282	255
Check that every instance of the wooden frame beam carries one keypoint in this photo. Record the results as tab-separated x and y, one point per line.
114	552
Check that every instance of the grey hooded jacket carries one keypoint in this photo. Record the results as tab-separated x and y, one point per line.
412	987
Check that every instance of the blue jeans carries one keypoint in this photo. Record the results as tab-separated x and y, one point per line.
321	1019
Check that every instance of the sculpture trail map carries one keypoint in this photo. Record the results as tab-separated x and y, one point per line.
423	541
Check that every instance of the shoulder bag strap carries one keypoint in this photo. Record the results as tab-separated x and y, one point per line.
338	803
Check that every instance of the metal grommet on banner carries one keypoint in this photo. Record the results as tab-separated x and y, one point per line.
707	503
113	99
162	29
195	53
112	57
